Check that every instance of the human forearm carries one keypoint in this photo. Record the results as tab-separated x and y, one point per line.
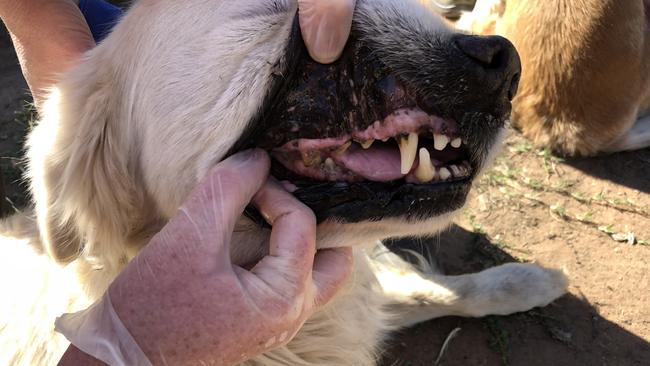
49	36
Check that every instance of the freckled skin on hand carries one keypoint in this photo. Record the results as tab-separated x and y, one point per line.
207	310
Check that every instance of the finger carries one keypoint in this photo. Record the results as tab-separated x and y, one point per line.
332	267
212	210
325	26
293	240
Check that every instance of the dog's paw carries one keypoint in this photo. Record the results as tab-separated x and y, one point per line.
515	287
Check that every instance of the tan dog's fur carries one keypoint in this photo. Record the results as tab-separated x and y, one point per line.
129	132
585	70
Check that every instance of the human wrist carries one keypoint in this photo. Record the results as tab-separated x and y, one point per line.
100	333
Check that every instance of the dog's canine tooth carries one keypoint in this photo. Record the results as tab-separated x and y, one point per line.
440	141
455	143
425	170
444	173
408	147
366	144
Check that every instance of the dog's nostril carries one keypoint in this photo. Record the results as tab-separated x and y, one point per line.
488	52
491	63
514	86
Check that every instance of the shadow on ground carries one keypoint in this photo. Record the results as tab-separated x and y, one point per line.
630	169
569	332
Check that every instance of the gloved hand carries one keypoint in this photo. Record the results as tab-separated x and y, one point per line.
325	26
184	302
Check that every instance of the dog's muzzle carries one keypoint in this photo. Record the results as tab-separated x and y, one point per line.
378	135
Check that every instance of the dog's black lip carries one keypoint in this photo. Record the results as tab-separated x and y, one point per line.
352	202
396	199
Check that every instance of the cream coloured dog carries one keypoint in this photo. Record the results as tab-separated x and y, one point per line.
383	143
585	86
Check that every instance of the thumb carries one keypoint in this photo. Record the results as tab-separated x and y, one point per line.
325	26
207	218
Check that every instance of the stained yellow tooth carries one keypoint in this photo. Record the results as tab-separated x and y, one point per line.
366	144
408	148
444	174
343	148
455	143
425	170
440	141
311	158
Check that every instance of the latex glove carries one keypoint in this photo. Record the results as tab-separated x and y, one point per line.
325	26
185	303
49	35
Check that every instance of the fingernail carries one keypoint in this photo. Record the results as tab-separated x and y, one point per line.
326	27
329	43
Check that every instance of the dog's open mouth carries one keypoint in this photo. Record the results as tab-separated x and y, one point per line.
375	136
408	144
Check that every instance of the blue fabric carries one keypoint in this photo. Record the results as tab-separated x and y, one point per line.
100	16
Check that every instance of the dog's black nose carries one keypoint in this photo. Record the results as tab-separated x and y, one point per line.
492	64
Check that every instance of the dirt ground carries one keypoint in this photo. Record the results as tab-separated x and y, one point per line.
534	207
588	216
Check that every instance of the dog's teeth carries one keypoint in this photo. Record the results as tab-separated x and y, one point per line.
425	170
463	171
311	158
330	164
455	143
456	170
408	147
440	141
366	144
343	148
444	174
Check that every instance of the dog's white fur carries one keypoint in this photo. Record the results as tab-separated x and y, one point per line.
121	143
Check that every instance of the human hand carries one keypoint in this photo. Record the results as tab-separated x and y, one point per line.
325	26
184	302
49	37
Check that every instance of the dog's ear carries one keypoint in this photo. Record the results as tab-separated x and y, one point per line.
79	169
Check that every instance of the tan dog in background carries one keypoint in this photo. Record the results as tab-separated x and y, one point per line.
585	86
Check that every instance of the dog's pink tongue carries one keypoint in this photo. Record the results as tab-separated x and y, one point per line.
379	163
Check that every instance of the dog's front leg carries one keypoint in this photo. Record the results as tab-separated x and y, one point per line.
418	294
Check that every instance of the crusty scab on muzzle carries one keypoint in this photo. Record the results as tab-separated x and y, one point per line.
397	127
